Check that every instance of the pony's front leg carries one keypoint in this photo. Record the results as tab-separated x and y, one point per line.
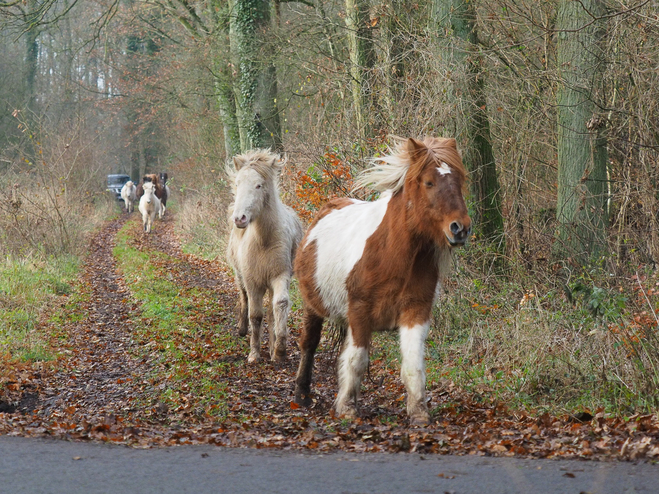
255	301
243	311
280	307
352	364
413	371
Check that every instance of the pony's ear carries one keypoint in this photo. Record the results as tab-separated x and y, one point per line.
452	143
414	146
414	151
238	162
278	163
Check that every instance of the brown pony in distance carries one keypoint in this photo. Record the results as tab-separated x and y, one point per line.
374	266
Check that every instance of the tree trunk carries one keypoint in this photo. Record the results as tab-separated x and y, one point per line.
458	39
582	153
394	46
224	80
362	59
255	87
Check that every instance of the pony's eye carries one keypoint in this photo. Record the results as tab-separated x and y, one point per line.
430	184
258	186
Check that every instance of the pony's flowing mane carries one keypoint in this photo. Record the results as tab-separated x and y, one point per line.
264	161
389	172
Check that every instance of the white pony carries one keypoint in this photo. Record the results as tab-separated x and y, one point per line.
149	205
128	195
264	237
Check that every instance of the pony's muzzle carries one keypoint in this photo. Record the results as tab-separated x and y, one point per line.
459	233
241	222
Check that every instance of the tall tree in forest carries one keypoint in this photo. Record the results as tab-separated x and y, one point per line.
255	88
582	153
362	60
214	26
458	41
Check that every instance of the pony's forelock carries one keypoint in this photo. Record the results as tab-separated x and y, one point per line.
390	172
267	163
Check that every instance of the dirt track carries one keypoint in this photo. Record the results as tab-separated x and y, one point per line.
98	390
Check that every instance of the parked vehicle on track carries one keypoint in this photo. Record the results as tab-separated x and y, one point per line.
116	182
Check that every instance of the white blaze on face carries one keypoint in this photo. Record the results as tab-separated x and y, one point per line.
340	240
444	169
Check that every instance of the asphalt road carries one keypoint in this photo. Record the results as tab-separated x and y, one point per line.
49	466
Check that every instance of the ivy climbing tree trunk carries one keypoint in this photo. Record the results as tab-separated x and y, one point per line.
458	41
362	59
227	105
255	87
582	153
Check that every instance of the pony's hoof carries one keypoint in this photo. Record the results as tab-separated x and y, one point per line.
253	358
303	400
242	332
420	419
349	413
279	355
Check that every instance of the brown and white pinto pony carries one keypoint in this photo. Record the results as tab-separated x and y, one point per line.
374	266
264	237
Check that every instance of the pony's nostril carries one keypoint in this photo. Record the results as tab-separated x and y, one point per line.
455	227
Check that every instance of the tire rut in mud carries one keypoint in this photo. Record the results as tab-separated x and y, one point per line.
94	380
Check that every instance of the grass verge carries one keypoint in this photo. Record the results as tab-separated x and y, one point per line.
178	331
28	289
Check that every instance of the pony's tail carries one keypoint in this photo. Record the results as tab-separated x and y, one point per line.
337	332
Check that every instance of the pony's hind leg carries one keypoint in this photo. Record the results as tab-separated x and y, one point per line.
352	364
413	371
255	304
308	342
280	306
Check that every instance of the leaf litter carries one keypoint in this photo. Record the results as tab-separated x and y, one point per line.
112	376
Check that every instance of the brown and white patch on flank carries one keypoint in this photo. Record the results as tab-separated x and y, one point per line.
340	238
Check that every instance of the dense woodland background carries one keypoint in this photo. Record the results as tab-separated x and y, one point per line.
553	103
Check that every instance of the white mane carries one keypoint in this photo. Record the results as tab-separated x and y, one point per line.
388	172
